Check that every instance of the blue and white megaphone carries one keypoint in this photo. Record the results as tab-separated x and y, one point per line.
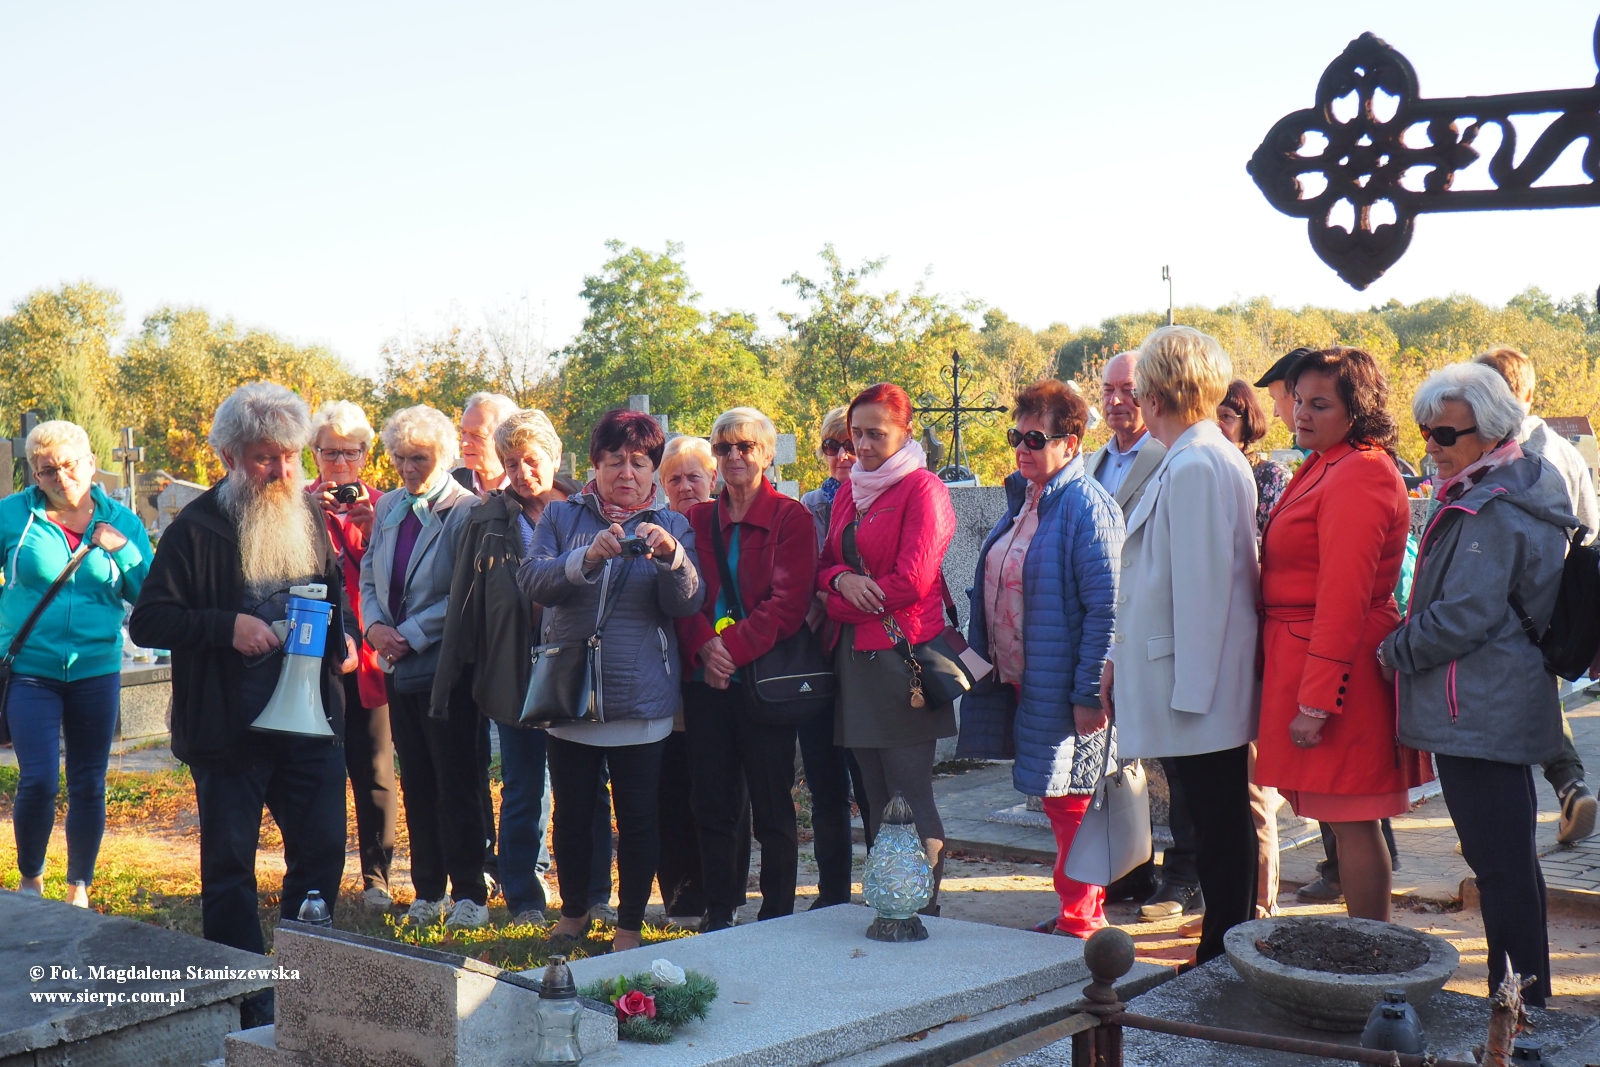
296	704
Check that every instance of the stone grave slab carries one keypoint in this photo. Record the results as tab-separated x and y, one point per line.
183	1023
146	699
811	988
1215	995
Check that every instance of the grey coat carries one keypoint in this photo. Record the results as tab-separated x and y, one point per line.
639	658
427	583
1471	683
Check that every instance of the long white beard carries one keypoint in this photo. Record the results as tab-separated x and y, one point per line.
277	532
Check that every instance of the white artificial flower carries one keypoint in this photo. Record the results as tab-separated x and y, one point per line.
665	973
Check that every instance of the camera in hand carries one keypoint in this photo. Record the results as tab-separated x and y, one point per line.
349	493
633	547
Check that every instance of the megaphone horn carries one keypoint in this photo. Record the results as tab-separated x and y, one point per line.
296	704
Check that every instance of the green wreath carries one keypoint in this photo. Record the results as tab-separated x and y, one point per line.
652	1004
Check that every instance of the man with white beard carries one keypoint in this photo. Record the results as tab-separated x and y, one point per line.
220	578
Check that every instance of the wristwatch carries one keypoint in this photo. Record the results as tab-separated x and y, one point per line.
834	584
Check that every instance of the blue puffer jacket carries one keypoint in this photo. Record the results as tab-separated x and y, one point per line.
1069	612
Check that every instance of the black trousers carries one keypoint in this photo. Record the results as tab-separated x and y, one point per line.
369	760
1178	862
444	810
1216	786
301	781
1495	811
577	776
678	871
731	755
828	778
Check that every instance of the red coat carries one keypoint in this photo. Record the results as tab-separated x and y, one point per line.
1330	560
902	540
777	574
350	545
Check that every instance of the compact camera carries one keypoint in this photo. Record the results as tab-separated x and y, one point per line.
348	493
634	547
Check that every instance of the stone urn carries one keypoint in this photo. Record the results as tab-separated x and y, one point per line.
1322	996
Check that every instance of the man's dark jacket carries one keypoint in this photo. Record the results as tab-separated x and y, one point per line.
194	591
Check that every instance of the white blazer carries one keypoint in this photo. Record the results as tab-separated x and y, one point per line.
1185	643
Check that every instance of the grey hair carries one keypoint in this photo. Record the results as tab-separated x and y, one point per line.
343	419
425	426
1494	409
502	406
57	433
260	412
523	429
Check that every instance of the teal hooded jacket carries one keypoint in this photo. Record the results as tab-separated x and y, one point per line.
80	634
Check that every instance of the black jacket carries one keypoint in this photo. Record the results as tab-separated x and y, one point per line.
188	604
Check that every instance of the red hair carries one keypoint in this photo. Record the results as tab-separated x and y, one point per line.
891	396
634	430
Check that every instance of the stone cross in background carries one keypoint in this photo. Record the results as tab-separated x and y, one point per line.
13	450
986	409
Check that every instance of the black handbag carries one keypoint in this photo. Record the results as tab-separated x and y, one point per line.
27	626
564	685
789	684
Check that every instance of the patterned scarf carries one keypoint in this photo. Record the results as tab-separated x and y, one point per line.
830	489
616	512
1451	489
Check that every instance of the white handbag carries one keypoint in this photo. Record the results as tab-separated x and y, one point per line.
1114	836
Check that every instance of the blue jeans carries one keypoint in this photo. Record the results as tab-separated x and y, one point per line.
41	711
525	824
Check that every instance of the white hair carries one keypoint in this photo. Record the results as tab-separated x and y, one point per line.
681	451
751	421
425	426
343	419
502	406
57	433
256	413
1496	412
277	531
523	429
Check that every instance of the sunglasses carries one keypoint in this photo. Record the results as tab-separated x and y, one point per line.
1445	435
724	449
831	448
1034	439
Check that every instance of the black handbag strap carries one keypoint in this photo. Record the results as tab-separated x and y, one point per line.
84	548
735	603
605	609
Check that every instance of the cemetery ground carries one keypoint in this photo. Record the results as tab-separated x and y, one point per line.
149	871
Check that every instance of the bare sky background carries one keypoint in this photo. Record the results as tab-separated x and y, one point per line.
341	173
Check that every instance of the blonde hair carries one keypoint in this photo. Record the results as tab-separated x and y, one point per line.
523	429
57	433
343	419
425	426
682	451
1514	366
1186	370
835	424
749	421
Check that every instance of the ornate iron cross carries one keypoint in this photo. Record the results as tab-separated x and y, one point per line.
986	411
1402	165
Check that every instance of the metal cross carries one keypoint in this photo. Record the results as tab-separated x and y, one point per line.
986	411
1380	169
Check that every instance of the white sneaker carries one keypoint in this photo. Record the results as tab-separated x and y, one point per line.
377	898
467	915
423	912
604	914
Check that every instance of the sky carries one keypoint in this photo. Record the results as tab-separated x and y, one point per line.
342	174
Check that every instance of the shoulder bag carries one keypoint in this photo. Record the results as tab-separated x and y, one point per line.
27	626
793	681
1114	836
564	684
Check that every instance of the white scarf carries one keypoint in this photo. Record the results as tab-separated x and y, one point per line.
867	486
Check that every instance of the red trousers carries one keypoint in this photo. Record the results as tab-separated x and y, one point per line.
1082	906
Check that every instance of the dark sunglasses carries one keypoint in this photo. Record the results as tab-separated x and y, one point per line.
1034	439
723	449
831	448
1445	435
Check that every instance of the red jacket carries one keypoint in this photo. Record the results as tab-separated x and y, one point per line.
777	574
349	544
902	540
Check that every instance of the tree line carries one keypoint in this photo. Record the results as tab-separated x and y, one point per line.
647	330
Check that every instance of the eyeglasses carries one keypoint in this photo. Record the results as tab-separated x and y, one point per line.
54	473
1445	435
349	455
1034	439
724	449
831	448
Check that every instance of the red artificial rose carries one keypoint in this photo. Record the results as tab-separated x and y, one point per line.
633	1004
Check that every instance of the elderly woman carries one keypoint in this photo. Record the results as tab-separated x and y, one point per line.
576	567
341	443
490	629
1244	422
688	473
768	550
405	596
891	524
1473	687
1330	559
1043	609
1181	673
66	674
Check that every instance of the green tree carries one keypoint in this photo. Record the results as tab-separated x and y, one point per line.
55	358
